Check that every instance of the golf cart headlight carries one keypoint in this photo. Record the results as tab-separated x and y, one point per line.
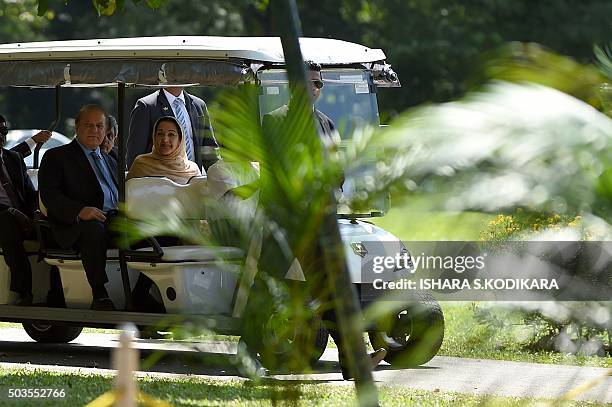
359	249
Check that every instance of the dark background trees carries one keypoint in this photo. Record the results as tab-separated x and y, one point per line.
434	45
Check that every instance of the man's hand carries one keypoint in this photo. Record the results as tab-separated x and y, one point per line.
91	213
42	136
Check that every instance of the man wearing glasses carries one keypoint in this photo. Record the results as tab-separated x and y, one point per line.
326	127
331	140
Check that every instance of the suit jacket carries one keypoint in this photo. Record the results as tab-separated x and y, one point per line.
67	183
22	184
151	107
327	130
327	127
22	148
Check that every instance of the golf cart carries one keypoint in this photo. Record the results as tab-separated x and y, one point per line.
196	281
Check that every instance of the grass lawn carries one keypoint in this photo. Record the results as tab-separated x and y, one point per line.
81	389
410	219
465	336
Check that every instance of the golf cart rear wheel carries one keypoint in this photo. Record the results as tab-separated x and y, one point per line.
47	333
413	334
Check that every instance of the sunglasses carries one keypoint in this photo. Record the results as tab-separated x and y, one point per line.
317	84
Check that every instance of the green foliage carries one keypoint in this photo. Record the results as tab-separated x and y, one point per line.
523	225
520	62
433	45
43	5
103	7
20	22
488	330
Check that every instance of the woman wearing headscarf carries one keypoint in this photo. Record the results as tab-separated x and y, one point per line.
169	156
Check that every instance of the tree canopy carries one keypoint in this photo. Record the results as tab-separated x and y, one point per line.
434	45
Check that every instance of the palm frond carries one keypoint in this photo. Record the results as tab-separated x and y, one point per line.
508	145
604	60
528	62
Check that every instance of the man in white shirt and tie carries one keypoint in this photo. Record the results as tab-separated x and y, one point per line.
191	113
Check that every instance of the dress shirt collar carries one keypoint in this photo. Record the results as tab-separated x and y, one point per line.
171	97
86	150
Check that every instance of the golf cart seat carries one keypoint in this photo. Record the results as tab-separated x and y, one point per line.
146	196
191	279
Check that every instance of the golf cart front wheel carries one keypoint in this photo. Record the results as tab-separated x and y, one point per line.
413	334
275	351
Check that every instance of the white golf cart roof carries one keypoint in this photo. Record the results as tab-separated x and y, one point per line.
166	60
263	49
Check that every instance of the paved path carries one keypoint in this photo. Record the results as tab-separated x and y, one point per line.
90	353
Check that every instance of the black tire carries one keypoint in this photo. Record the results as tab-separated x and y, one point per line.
46	333
273	354
413	334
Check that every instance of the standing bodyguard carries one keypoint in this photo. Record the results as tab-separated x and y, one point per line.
275	121
17	205
191	113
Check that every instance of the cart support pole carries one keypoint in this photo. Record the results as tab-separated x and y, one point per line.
347	307
52	126
122	140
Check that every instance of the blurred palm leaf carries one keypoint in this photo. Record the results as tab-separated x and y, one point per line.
523	62
506	146
296	177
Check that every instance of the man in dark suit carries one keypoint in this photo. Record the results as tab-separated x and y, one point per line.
331	140
25	148
326	127
17	205
191	113
78	186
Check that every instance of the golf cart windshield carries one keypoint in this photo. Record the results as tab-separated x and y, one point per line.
348	97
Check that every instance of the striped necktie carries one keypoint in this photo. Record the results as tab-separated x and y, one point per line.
181	116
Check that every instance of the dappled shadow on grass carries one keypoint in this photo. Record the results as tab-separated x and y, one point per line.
81	389
81	355
186	360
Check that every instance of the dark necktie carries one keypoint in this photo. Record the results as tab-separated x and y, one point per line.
8	187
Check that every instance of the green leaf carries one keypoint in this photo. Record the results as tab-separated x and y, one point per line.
105	7
154	4
43	6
